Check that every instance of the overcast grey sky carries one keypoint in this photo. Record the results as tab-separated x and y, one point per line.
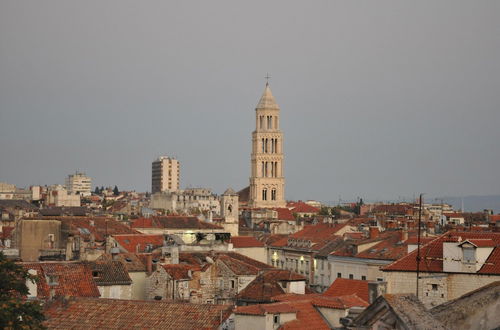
379	99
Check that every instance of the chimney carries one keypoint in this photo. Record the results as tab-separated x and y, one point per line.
149	263
376	289
403	235
373	232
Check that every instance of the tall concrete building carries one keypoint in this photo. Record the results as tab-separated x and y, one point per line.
79	183
165	175
267	183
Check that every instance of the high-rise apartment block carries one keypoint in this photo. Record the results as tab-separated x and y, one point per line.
267	182
79	183
165	175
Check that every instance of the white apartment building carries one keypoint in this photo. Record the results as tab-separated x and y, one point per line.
165	175
185	201
79	183
58	196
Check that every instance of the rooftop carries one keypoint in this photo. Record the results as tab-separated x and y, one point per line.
87	313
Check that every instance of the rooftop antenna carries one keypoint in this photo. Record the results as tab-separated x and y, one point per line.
418	239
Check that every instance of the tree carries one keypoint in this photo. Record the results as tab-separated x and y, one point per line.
15	311
116	192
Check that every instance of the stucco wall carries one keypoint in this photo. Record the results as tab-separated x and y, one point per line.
116	291
436	288
250	322
138	285
257	253
34	235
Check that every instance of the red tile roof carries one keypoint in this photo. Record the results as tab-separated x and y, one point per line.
6	232
98	227
301	207
245	242
308	317
71	279
139	242
267	285
109	272
432	254
345	287
131	261
86	313
263	309
284	214
495	218
179	271
481	242
339	302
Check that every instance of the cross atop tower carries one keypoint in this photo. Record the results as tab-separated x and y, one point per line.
267	78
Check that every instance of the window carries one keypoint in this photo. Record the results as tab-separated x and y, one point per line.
264	194
276	319
273	194
351	276
339	275
379	279
232	284
434	287
363	278
469	255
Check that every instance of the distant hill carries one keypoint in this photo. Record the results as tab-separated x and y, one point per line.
471	203
475	203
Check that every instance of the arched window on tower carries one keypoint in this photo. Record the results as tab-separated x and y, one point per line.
273	194
276	169
276	122
263	144
266	146
270	122
272	170
264	194
261	122
263	172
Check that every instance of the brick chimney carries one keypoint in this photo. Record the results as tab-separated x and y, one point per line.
149	263
403	235
374	232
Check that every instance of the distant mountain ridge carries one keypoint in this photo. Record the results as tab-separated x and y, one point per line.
472	203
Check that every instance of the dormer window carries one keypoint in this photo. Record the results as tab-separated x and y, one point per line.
469	254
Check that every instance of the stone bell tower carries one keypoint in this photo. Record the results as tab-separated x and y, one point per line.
267	182
230	211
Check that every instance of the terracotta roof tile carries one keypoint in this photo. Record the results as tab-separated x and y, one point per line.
109	272
284	214
347	287
60	279
245	242
139	242
301	207
267	285
432	254
133	314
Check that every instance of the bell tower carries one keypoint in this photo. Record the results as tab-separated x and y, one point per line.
267	182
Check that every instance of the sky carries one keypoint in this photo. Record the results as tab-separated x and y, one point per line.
379	99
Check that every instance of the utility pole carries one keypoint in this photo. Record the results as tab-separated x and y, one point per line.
418	239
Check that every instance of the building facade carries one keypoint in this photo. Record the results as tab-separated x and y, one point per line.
165	175
267	182
79	183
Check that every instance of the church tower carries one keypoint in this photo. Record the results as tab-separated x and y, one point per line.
267	183
229	208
